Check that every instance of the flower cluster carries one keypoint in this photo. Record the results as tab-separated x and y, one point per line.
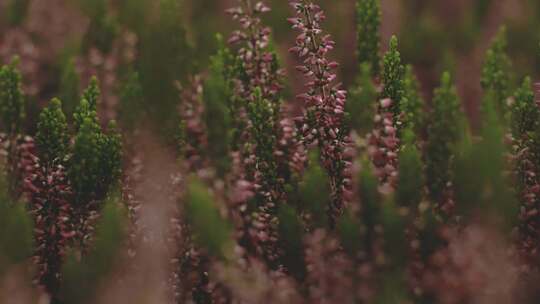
258	64
336	198
324	101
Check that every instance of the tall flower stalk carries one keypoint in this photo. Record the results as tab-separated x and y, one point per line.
258	63
49	194
324	100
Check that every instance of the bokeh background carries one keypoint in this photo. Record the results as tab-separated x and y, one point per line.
109	38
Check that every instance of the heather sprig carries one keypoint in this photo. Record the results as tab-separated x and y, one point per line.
324	100
291	234
393	281
211	231
315	192
87	107
92	94
218	111
131	102
12	100
261	113
361	102
393	77
409	192
370	211
445	129
525	111
165	57
52	137
525	129
16	242
412	104
193	139
496	72
258	62
384	144
49	194
99	263
69	86
368	22
85	163
481	180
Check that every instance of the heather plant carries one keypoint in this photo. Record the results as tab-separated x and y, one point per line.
69	86
393	78
383	195
91	270
103	27
360	107
165	57
52	137
16	243
131	102
412	105
12	100
409	192
218	116
491	193
445	129
323	121
49	193
212	232
496	72
368	15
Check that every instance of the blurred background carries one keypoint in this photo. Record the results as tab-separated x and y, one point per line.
61	43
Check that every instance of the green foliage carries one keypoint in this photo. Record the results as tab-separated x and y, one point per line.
103	26
84	168
69	87
211	231
444	129
165	58
393	75
480	185
291	234
371	201
134	14
360	106
395	241
17	11
131	102
12	101
16	241
87	107
525	112
261	114
83	277
217	116
349	231
92	94
496	72
409	192
52	138
110	147
96	161
315	192
368	22
412	103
